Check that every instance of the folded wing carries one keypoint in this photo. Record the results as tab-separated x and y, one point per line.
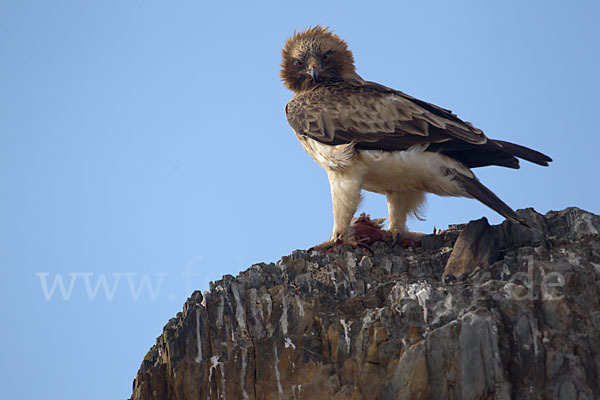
373	116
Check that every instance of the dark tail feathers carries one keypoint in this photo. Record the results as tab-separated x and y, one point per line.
524	152
476	189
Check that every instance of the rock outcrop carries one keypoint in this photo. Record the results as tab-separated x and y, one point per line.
480	312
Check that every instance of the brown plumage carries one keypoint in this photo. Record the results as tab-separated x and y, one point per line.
368	136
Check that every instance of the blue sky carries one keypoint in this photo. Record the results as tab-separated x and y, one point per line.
143	139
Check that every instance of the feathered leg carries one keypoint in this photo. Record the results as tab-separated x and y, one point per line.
400	204
345	197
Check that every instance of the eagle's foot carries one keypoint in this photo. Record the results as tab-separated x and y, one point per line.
407	239
334	244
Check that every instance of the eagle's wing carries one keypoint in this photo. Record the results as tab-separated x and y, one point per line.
376	117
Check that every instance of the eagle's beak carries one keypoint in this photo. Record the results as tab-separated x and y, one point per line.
313	69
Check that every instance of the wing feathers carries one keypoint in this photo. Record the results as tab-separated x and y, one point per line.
372	113
415	127
525	153
328	126
375	117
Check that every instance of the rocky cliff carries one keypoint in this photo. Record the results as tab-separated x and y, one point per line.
476	312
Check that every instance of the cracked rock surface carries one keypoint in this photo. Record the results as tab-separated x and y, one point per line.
487	312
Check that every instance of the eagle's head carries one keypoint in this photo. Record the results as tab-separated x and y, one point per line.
314	56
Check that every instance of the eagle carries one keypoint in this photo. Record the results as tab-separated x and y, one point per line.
367	136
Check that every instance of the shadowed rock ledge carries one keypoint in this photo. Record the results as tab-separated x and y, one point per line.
483	312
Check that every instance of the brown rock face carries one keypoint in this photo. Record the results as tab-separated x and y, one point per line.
516	317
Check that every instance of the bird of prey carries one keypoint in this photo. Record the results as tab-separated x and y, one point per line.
368	136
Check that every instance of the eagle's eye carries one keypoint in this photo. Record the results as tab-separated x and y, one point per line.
298	63
326	56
